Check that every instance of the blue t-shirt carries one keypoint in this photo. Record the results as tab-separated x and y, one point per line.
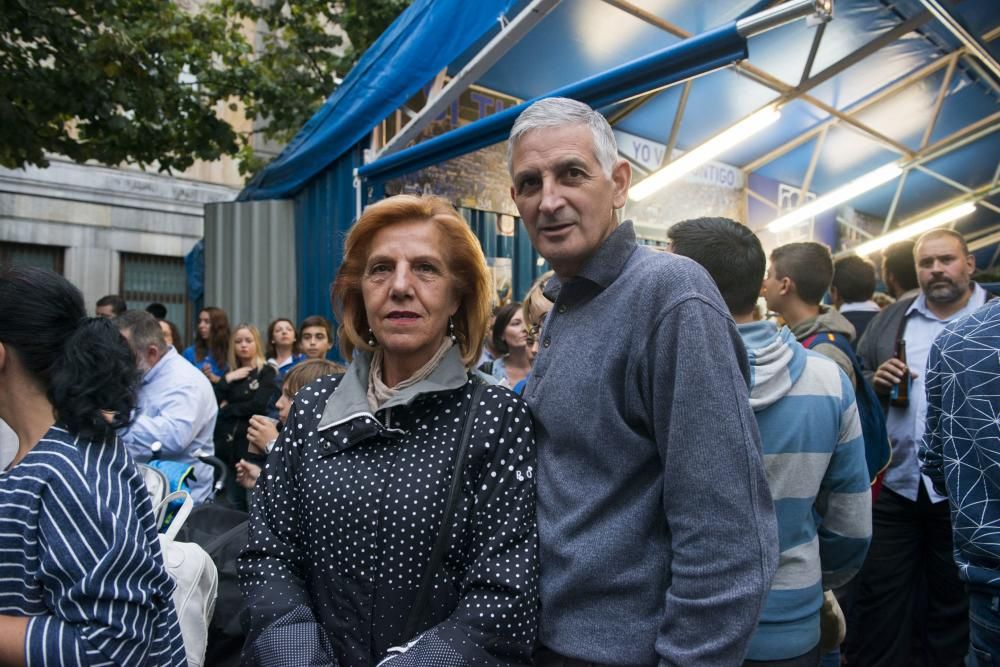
219	369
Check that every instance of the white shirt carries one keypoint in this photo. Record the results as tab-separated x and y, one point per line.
906	425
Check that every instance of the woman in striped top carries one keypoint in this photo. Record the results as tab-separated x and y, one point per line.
82	580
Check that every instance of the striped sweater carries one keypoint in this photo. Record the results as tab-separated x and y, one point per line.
81	558
815	459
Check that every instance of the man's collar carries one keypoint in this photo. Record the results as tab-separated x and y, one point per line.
860	307
605	265
153	372
920	303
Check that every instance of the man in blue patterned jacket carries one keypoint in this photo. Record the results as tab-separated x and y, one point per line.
960	453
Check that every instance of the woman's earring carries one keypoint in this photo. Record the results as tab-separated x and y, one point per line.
451	330
371	338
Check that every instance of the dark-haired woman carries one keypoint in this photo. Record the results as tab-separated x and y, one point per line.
283	346
211	343
82	578
510	341
171	335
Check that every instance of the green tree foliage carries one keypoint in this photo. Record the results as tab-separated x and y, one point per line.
142	81
301	51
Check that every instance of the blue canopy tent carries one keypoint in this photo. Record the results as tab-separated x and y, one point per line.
912	81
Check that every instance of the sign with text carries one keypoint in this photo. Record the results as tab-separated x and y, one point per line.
649	155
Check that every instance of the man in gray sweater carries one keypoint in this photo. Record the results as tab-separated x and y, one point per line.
658	540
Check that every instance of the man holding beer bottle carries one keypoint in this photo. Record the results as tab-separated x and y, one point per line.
911	528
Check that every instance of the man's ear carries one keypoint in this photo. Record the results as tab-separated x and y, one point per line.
763	288
3	357
152	355
621	176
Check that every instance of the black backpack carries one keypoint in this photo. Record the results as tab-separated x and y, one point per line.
878	451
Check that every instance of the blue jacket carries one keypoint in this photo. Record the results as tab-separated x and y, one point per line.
814	454
218	367
961	445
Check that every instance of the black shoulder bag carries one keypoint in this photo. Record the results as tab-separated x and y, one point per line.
437	553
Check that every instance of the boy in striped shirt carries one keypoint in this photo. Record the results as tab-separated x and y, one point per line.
813	449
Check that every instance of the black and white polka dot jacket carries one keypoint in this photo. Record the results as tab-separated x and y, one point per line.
347	511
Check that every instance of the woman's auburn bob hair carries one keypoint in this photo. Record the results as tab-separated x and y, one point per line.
463	255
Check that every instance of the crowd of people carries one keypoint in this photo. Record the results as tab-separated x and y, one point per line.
639	464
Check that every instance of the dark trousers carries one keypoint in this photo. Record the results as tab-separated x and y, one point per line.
984	629
810	659
911	552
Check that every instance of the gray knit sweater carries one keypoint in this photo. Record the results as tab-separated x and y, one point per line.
658	540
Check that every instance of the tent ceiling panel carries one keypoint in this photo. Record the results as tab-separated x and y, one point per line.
720	99
592	37
963	107
717	100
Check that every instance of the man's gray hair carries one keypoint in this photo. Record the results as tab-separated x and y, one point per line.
559	112
143	330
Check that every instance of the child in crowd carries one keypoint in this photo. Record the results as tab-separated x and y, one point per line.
262	431
315	337
283	346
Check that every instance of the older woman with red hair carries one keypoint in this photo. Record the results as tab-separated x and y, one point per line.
394	523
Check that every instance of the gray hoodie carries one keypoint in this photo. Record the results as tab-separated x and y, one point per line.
828	320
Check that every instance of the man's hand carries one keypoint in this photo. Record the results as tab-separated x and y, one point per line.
261	431
888	375
239	374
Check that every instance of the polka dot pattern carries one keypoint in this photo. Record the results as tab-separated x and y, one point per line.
344	521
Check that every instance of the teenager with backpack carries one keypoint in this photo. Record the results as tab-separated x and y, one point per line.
797	278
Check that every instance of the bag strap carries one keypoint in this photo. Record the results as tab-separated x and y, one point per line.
437	553
179	517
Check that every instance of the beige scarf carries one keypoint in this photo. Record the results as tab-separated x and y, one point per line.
379	394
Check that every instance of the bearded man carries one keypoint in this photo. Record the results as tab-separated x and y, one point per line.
911	526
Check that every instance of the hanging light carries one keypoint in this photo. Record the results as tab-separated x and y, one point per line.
858	186
916	228
706	152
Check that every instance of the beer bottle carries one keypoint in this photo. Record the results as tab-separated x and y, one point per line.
900	395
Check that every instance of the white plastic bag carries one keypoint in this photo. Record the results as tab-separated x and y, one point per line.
195	576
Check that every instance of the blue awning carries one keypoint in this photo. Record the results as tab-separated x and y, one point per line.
422	41
692	57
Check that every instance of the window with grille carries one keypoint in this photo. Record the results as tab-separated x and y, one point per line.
28	254
147	279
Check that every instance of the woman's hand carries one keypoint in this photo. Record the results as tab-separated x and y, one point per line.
238	374
212	377
247	474
261	431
